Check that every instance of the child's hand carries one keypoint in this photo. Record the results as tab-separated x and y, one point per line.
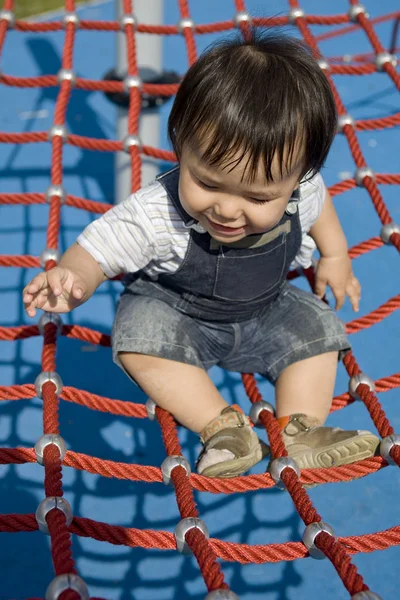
336	272
58	290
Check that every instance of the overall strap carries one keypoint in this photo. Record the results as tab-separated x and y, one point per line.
170	182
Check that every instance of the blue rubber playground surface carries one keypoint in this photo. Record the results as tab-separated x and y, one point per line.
113	572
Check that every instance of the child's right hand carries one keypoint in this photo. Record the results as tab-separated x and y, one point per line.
58	290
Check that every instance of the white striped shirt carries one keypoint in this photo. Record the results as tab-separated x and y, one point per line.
145	232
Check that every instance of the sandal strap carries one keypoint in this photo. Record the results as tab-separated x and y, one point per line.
229	417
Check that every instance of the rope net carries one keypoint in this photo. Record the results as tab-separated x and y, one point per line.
338	550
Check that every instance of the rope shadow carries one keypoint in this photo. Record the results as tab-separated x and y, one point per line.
81	119
131	504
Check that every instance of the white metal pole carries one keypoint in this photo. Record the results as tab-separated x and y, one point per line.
149	53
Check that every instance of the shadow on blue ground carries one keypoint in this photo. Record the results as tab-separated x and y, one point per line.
122	572
81	119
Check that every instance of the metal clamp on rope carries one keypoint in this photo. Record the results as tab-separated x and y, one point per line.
386	445
58	130
50	317
48	440
169	464
344	120
71	17
49	504
280	464
131	140
361	173
309	535
184	24
132	81
66	75
55	190
43	378
323	64
240	18
355	382
294	14
222	595
67	582
146	75
183	527
128	19
388	230
151	409
49	254
383	58
9	16
256	410
355	10
366	595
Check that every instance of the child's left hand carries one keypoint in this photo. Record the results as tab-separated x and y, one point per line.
336	272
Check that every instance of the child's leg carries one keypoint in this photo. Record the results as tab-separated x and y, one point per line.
304	393
307	387
230	445
185	391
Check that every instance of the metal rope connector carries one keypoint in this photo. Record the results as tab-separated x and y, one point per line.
184	24
183	527
386	445
240	18
169	464
366	595
48	440
221	595
257	408
50	317
309	535
67	582
49	504
43	378
278	465
9	16
355	382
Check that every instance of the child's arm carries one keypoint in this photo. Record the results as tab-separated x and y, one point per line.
67	285
79	260
334	268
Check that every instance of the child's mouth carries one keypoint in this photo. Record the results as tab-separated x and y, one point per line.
226	230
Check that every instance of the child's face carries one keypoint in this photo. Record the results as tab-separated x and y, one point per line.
230	209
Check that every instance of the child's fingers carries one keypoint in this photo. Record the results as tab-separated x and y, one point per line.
320	287
78	291
34	286
353	291
55	280
37	301
340	296
31	306
36	293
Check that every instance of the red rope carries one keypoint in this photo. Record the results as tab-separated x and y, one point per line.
206	552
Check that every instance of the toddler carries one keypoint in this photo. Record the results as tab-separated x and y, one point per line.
206	250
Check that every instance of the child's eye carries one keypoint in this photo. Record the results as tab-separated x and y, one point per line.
259	200
204	185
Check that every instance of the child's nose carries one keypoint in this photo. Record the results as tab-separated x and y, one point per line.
228	209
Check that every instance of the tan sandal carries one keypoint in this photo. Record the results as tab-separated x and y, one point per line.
230	432
313	446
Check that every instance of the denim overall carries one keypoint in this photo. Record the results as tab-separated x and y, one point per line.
226	283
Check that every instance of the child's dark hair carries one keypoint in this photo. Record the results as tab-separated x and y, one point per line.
255	98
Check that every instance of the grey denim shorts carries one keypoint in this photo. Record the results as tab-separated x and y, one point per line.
296	326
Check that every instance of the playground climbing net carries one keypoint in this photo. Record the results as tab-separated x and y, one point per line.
54	515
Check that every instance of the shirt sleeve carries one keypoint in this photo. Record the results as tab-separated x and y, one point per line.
123	239
312	198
